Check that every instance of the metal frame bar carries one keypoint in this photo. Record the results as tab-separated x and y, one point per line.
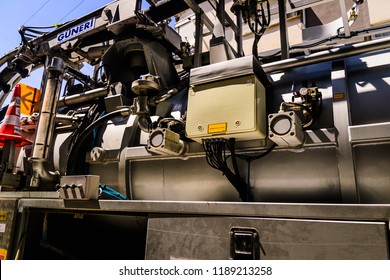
343	10
369	133
238	33
347	212
325	56
284	44
197	10
198	39
304	4
221	14
341	119
228	20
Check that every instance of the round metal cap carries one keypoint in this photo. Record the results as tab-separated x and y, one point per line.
281	125
156	139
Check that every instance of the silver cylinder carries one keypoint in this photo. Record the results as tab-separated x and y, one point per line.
336	53
46	122
82	97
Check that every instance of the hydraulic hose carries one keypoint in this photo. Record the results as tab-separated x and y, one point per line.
84	135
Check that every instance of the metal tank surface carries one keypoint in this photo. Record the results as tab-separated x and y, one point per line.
322	170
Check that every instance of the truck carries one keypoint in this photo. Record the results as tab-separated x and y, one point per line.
204	141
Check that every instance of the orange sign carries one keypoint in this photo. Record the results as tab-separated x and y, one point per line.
30	99
3	254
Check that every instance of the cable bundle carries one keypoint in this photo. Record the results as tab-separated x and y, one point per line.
217	153
259	18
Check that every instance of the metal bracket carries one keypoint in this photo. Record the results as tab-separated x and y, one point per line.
85	187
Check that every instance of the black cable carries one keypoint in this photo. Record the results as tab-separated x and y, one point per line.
215	150
259	24
95	76
270	56
217	158
233	156
251	158
255	51
314	44
217	155
74	8
247	192
88	118
85	122
261	20
40	8
74	150
306	108
33	33
248	175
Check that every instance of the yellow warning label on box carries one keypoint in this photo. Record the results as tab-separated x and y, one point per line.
217	128
3	254
3	216
337	96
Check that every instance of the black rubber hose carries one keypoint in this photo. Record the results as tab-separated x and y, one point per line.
84	135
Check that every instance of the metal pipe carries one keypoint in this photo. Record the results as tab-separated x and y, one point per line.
284	45
221	14
161	98
335	53
238	34
46	121
66	119
82	97
198	10
198	39
344	16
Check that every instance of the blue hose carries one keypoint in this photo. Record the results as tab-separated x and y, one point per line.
111	192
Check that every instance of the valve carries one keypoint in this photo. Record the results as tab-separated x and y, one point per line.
148	85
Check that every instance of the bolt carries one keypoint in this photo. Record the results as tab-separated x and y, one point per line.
200	128
237	123
292	133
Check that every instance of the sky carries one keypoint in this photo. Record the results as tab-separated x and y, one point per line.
38	13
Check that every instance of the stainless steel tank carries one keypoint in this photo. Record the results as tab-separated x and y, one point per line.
345	158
